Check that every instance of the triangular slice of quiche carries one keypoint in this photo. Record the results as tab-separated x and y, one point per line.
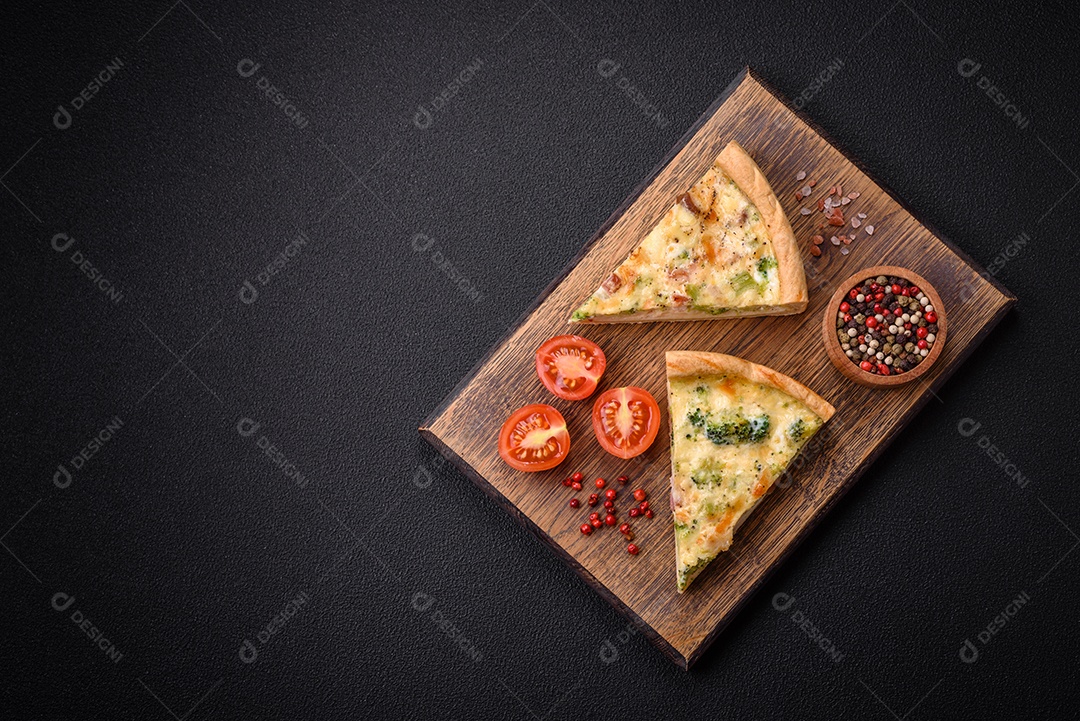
725	249
735	427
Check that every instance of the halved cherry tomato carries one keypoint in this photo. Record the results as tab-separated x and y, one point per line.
534	438
626	421
570	366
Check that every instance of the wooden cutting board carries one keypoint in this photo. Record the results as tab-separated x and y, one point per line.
465	427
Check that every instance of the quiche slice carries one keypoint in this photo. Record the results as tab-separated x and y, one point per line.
735	427
724	250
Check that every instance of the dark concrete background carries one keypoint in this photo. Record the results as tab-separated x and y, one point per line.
179	180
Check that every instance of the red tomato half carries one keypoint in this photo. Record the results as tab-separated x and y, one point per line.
626	421
570	366
534	438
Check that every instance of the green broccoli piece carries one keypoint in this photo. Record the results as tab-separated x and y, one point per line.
738	430
706	478
724	433
797	430
696	418
580	315
690	571
759	428
743	282
765	263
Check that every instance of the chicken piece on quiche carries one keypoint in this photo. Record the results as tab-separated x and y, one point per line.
735	427
725	249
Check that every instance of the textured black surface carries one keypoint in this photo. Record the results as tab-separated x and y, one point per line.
180	539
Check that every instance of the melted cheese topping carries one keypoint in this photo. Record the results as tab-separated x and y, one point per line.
731	439
711	252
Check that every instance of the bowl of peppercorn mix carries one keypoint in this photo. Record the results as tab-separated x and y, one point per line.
884	326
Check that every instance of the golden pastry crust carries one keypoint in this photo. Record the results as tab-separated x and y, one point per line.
737	164
693	363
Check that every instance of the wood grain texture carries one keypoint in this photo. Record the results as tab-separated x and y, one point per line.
465	426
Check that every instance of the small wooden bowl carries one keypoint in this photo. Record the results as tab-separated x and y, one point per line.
836	353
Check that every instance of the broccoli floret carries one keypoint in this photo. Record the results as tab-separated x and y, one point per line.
708	309
724	433
712	509
685	529
738	430
797	430
696	418
765	263
690	571
706	477
743	282
759	428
